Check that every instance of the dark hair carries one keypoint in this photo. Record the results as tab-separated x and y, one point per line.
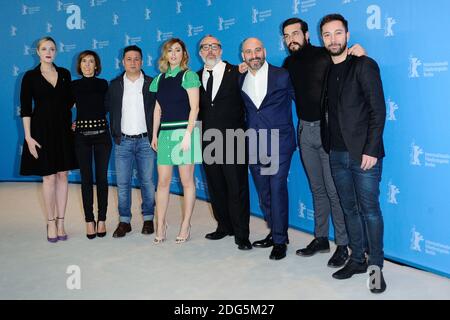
288	22
98	64
333	17
132	48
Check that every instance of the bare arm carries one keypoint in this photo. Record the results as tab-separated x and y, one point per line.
156	123
194	97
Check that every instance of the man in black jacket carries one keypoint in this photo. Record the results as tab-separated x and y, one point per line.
130	105
354	113
222	108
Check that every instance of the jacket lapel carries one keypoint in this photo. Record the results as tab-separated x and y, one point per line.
344	75
245	95
270	85
226	75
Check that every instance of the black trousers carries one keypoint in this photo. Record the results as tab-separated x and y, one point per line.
229	195
98	147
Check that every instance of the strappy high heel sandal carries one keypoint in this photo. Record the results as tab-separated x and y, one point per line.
179	239
64	236
52	240
159	240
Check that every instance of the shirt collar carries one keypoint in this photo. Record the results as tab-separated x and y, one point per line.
173	73
263	70
216	67
125	78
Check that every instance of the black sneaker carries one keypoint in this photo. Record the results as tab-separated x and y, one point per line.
339	257
350	269
317	245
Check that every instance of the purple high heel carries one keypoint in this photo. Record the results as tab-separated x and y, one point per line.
52	240
64	237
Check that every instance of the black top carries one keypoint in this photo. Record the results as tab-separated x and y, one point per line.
361	109
50	124
334	78
307	69
89	97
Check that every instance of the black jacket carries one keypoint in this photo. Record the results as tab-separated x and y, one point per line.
113	103
226	111
361	109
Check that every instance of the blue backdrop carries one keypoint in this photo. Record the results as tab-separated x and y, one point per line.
408	38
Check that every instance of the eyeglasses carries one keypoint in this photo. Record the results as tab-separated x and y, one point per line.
212	46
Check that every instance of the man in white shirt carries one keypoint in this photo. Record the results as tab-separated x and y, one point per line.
221	109
268	93
130	105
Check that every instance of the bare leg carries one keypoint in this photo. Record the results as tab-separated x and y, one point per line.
61	200
48	188
187	180
162	198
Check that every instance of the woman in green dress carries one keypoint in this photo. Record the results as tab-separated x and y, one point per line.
175	137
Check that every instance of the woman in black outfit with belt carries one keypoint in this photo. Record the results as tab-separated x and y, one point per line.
92	139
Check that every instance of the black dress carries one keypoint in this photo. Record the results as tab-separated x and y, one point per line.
50	125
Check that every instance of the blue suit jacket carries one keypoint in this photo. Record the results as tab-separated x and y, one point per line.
275	111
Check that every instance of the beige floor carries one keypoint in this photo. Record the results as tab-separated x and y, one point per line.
134	268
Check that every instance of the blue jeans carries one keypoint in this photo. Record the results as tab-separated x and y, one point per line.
359	193
136	150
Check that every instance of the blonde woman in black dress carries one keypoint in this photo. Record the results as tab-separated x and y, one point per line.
48	149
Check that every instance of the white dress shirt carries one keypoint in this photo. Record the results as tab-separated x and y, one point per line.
133	114
218	71
255	86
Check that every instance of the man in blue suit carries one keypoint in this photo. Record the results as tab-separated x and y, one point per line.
268	93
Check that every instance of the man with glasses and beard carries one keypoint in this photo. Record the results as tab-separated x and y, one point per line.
307	66
222	108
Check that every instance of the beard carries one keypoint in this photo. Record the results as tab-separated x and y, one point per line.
299	47
337	52
256	63
211	61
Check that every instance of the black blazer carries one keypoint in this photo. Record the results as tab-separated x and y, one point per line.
226	111
113	104
361	109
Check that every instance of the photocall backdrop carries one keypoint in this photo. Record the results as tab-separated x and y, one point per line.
407	38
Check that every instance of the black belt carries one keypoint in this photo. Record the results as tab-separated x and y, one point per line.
135	136
91	132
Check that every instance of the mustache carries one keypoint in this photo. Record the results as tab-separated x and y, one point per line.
254	59
334	44
294	42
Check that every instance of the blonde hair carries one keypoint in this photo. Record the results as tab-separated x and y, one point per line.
44	39
163	62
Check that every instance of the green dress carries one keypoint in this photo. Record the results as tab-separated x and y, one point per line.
171	94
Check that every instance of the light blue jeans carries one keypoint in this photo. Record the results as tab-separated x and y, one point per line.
139	151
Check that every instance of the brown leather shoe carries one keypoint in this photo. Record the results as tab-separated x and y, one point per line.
148	227
122	229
